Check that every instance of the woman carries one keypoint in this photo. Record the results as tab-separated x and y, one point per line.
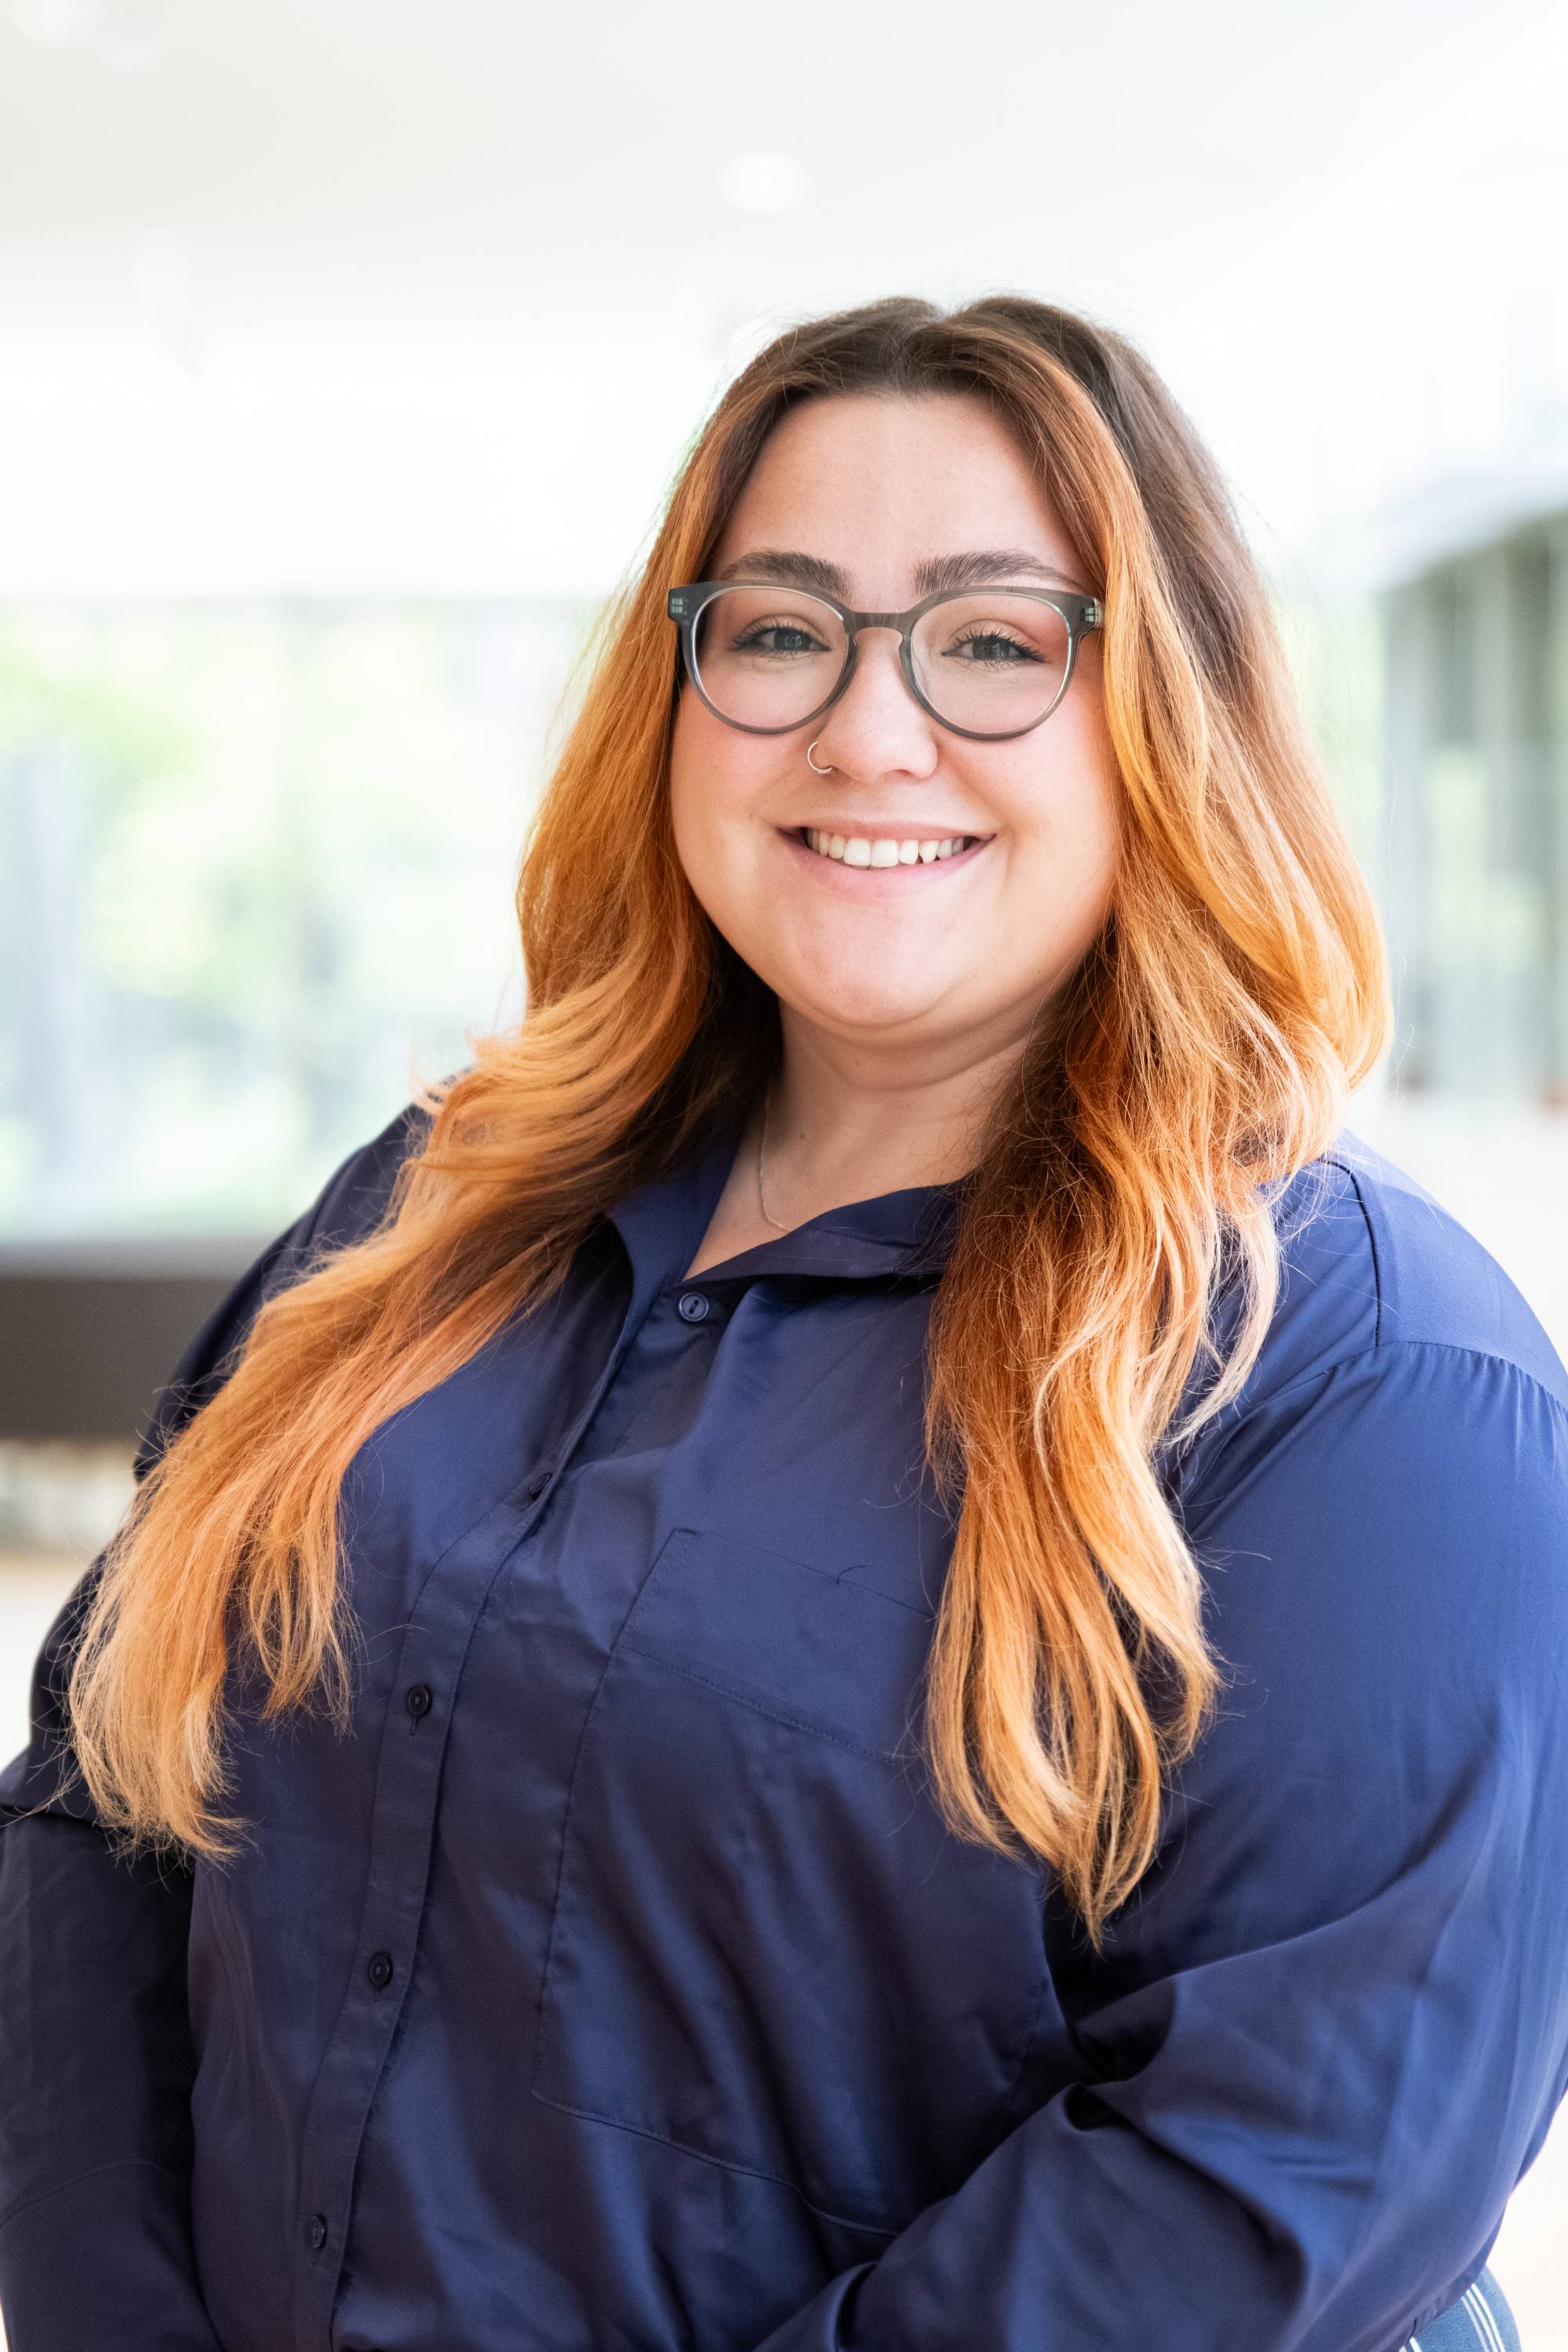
855	1648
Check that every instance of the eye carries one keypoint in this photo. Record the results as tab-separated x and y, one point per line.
987	644
777	637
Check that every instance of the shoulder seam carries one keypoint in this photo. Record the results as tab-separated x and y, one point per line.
1370	1243
1387	1347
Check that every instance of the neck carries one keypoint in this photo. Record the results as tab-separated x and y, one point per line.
846	1123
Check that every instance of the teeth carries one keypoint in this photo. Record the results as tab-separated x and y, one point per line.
854	849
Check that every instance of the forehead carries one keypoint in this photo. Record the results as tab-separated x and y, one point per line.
887	479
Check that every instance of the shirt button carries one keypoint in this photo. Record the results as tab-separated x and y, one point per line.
691	1307
419	1700
380	1970
538	1482
317	2231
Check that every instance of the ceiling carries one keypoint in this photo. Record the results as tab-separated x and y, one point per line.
388	294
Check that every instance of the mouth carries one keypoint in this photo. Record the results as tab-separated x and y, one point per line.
885	853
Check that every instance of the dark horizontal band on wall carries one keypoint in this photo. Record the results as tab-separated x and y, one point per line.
90	1331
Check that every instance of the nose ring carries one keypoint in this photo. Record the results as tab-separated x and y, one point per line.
811	764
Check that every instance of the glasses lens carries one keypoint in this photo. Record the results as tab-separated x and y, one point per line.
769	658
990	660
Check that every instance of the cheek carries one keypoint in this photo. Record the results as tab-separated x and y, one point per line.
1065	806
697	778
1091	821
718	779
686	765
1078	804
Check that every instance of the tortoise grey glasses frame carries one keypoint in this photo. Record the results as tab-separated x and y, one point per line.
1081	615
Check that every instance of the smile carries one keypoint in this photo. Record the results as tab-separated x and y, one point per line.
886	850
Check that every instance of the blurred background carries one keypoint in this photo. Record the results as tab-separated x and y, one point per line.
347	348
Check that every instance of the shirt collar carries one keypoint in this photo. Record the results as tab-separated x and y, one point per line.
662	1222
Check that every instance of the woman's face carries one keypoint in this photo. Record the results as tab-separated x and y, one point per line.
958	953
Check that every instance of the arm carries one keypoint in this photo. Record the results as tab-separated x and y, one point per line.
1331	2025
96	2058
95	2069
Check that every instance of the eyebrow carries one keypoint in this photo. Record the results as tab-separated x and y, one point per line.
978	567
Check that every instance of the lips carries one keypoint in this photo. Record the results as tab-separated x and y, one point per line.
852	848
863	872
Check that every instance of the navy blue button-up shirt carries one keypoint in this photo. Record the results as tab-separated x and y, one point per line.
615	1986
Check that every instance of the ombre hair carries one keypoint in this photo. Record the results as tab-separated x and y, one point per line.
1200	1056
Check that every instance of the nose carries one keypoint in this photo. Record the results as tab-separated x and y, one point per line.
877	728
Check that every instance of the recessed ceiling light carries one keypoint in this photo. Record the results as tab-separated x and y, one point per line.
762	184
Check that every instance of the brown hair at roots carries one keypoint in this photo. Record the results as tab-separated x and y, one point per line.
1198	1059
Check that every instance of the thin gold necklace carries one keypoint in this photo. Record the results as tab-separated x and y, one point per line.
762	1196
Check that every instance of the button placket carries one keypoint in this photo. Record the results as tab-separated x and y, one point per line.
401	1837
406	1782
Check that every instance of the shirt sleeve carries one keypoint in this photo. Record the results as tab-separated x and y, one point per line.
96	2056
1330	2027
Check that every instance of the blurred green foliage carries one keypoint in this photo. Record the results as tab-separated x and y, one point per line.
257	860
258	872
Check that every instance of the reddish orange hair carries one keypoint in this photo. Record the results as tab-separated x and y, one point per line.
1200	1056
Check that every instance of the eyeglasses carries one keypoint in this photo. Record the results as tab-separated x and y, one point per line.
984	662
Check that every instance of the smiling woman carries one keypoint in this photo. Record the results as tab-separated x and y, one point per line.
976	846
857	1647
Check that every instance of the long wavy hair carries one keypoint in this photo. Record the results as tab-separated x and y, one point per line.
1201	1054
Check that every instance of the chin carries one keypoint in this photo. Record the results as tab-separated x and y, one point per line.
851	1009
825	978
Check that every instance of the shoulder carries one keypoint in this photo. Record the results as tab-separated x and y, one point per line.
1396	1335
1371	1262
347	1209
1381	1514
356	1196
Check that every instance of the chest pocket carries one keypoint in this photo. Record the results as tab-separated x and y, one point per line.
766	1949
